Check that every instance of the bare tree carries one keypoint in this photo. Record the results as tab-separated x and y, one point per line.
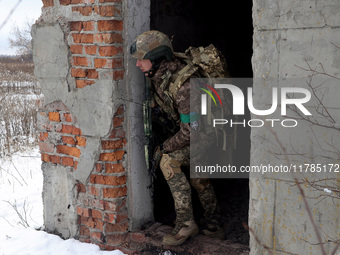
20	39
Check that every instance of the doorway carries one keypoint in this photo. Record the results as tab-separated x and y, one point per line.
229	27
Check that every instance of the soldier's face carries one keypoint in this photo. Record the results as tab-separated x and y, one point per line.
144	65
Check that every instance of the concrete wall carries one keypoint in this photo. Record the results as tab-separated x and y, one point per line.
96	185
288	35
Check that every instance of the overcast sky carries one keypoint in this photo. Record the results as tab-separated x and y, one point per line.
27	9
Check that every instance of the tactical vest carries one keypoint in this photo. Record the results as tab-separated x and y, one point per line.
200	62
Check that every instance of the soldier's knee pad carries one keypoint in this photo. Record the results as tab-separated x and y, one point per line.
169	166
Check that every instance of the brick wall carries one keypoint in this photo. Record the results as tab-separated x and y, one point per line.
60	139
102	212
94	37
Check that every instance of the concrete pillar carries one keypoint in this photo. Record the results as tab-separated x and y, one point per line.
96	185
291	37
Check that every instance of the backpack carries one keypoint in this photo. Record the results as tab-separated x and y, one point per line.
204	62
208	62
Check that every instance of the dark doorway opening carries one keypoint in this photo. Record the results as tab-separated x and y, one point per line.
229	27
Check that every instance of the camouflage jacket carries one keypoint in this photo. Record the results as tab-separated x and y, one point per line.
180	104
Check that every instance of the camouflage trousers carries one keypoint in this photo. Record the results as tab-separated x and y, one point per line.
181	191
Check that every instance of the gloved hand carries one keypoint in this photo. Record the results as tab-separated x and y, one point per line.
158	153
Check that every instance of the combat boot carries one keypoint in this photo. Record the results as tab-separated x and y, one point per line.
181	233
212	228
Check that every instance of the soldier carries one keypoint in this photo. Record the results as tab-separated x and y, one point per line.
154	53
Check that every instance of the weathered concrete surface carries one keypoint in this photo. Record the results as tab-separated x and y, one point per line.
137	21
92	106
289	38
58	200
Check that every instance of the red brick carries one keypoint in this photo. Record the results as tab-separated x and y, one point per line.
83	83
75	165
109	51
97	237
43	137
97	214
116	239
114	192
110	217
121	206
55	159
118	121
92	223
117	133
88	25
113	145
110	206
84	240
72	151
76	49
54	116
109	11
76	26
94	191
47	3
68	117
65	2
78	72
114	168
80	61
99	167
120	110
84	212
114	156
108	63
67	161
81	188
81	141
96	203
92	74
110	25
110	1
45	157
108	38
118	227
118	75
68	139
46	147
108	180
122	216
50	158
82	38
68	129
91	49
85	11
84	231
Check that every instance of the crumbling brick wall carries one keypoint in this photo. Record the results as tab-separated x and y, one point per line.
90	120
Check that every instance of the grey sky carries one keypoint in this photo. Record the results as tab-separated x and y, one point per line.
27	9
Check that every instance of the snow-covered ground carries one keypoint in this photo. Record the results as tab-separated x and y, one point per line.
21	212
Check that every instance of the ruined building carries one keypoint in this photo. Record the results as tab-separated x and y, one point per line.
96	185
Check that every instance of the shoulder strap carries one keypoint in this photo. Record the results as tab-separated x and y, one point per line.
181	78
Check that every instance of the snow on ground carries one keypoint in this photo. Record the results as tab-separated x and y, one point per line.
21	183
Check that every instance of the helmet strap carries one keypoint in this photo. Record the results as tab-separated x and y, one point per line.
155	65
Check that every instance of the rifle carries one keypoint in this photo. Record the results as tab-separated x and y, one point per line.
147	118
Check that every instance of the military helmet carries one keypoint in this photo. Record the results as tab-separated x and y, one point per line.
152	45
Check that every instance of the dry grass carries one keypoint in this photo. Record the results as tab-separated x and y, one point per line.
19	92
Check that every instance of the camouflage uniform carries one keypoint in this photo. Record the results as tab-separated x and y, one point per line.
177	147
156	47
